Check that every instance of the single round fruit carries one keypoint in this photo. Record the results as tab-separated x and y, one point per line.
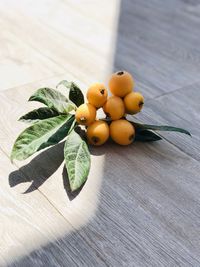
114	108
85	114
98	133
121	83
133	102
97	95
122	132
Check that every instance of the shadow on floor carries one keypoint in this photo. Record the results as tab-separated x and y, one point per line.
36	170
137	222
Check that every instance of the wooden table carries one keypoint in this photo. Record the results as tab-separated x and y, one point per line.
141	204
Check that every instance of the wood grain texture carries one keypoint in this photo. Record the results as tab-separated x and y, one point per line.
29	222
88	57
148	201
20	63
158	42
26	221
180	108
140	205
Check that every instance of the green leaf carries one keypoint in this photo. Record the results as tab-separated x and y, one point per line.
39	114
160	128
40	135
75	93
146	136
73	125
77	160
65	83
52	99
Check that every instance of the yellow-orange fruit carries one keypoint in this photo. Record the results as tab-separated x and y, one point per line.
98	133
114	108
85	114
133	102
97	95
122	132
121	83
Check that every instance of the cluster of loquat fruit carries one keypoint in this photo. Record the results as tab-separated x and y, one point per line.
123	101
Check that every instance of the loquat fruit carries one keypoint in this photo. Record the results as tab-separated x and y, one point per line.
114	108
122	132
121	83
98	133
85	114
133	102
97	95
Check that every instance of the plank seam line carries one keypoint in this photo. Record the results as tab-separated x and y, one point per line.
31	83
99	255
182	151
173	91
57	210
24	174
56	62
51	29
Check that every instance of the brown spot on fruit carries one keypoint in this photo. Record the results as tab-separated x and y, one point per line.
141	103
102	91
95	139
120	73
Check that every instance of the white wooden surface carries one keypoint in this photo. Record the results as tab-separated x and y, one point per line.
140	205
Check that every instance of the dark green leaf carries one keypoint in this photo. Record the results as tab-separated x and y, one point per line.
146	136
40	135
77	160
160	128
73	125
75	93
62	132
39	114
52	99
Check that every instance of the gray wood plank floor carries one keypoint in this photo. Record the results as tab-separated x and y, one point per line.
158	41
145	198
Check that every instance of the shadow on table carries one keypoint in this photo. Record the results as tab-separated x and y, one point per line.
86	246
116	218
120	232
38	170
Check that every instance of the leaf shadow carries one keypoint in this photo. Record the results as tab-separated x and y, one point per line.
39	169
